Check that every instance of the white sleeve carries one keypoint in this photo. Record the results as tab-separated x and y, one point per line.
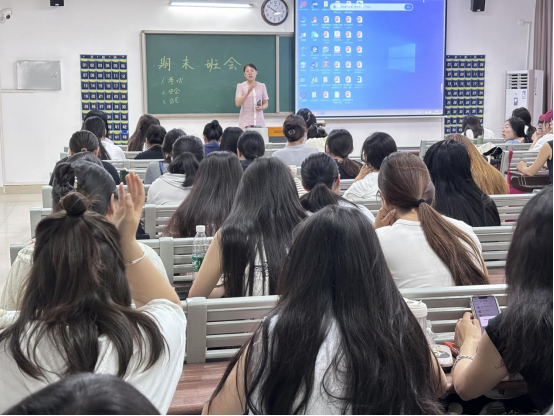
15	282
120	154
159	382
367	213
154	258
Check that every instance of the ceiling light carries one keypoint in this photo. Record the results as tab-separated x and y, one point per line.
220	4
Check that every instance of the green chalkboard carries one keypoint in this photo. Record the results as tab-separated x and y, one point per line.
188	73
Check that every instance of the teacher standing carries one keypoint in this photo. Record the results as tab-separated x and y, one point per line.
252	99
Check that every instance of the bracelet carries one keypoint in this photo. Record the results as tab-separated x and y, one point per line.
460	357
137	260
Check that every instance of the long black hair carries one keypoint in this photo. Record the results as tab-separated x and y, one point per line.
319	172
456	193
525	115
340	143
97	127
377	147
526	325
77	291
136	142
251	145
230	139
187	153
155	135
103	116
314	129
472	123
346	296
169	139
265	211
212	131
86	394
211	197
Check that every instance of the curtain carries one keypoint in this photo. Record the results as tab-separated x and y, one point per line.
542	51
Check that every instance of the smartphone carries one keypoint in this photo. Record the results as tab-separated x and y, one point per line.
484	308
259	103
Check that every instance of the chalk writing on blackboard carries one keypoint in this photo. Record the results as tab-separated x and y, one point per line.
211	65
165	63
231	62
186	63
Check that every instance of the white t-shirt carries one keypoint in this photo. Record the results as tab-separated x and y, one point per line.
362	209
411	260
168	190
363	189
114	151
17	276
319	402
158	383
541	142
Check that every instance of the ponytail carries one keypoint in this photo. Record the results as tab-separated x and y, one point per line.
455	249
319	197
340	144
406	184
185	164
319	172
187	153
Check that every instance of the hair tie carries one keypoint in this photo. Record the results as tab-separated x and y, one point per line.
76	214
292	131
84	149
421	201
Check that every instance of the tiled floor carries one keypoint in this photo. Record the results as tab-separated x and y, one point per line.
15	225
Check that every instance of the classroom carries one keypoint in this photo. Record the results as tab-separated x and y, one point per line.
276	207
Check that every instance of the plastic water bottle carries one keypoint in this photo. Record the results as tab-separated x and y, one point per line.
199	248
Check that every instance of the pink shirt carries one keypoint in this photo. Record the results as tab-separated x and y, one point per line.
248	114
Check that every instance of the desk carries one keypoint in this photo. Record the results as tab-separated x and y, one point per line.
198	382
527	184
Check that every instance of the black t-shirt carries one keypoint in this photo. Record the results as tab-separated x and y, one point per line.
549	162
342	172
155	152
540	393
108	166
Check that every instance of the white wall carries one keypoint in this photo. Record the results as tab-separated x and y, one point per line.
37	126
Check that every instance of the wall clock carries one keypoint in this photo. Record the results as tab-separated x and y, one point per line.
275	12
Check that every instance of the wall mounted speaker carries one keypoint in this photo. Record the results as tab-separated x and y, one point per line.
477	5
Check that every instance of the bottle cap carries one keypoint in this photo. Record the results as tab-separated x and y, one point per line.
200	228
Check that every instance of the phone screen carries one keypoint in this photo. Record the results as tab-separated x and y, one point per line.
485	308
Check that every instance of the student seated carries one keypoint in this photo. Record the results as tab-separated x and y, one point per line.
250	147
212	136
544	157
85	141
158	168
487	177
76	311
320	177
295	151
86	394
250	248
91	180
174	186
230	139
422	247
154	139
519	340
456	193
472	129
137	142
376	147
513	131
545	134
113	151
211	197
339	146
525	115
341	339
317	136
